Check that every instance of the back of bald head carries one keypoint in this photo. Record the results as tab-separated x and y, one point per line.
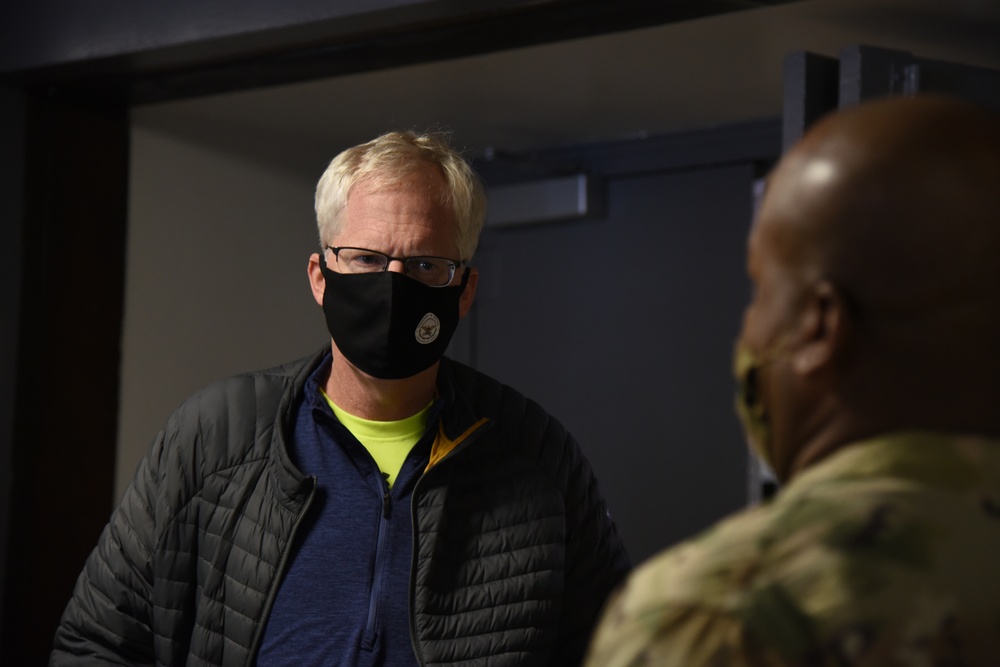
897	199
897	203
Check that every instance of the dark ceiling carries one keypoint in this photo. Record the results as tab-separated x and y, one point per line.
696	73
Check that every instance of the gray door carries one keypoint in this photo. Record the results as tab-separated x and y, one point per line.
622	327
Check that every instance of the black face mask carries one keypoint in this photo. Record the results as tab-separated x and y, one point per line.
388	325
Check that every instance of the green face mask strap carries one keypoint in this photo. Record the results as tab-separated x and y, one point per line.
750	406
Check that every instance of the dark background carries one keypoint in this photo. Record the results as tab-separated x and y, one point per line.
620	324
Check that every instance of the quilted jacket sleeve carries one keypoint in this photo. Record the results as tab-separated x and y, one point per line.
108	621
596	560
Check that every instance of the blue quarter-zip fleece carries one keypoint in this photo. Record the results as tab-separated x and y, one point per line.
344	599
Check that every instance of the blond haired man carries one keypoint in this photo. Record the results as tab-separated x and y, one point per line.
374	504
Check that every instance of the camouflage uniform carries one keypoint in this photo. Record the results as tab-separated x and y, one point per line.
886	553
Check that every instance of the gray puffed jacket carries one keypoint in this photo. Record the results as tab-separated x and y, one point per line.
514	550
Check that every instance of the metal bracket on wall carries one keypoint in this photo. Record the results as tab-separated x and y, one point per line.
545	200
527	189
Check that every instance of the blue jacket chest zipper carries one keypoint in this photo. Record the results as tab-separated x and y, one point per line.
378	576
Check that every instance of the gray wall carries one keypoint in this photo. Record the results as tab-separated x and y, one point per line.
216	277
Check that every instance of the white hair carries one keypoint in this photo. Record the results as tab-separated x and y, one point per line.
388	159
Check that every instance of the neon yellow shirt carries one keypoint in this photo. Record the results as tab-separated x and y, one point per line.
387	442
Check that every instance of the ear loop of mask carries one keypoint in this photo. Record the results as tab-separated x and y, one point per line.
749	401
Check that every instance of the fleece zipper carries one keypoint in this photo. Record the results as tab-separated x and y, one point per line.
378	576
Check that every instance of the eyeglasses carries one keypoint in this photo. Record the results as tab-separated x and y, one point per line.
431	271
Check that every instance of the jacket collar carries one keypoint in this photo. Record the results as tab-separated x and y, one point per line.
458	416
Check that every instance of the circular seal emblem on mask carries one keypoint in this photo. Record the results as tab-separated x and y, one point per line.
428	329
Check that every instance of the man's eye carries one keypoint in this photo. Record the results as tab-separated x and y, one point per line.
427	265
367	261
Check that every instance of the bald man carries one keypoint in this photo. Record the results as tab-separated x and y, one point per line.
869	373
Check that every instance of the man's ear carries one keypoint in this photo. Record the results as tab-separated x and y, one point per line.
316	281
469	293
824	330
